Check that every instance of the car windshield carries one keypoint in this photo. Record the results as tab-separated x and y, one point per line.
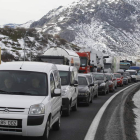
117	75
89	78
82	80
99	76
108	77
23	83
132	73
83	61
107	66
64	75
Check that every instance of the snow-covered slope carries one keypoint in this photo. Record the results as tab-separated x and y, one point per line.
112	24
13	42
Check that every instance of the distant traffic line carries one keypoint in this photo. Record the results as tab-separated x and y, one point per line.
94	125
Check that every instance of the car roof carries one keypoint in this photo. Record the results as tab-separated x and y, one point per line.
82	74
131	70
65	67
28	66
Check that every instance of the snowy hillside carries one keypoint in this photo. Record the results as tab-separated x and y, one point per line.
112	24
13	41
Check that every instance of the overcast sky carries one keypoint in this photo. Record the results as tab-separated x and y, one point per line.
21	11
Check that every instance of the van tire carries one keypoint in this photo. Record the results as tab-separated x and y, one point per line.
56	125
74	108
46	132
67	112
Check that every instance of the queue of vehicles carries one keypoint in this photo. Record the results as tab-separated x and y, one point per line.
33	95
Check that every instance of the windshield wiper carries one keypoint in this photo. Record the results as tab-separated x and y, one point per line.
2	91
20	93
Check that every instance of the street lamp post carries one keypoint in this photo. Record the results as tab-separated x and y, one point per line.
24	44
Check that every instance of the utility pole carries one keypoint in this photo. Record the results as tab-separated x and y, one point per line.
24	44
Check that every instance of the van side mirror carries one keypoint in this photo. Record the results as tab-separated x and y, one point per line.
92	84
57	92
75	83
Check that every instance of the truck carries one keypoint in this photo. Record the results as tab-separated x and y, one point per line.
112	64
84	62
58	55
125	64
94	61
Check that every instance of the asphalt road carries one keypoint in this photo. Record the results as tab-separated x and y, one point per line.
77	124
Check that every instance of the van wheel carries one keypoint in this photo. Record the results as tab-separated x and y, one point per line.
56	125
88	101
67	112
46	132
74	108
96	95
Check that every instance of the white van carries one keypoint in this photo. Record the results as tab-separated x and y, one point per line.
134	76
69	86
30	99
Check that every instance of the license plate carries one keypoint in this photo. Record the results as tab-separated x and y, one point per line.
8	122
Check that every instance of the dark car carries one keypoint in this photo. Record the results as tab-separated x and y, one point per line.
84	90
102	83
125	79
128	75
112	81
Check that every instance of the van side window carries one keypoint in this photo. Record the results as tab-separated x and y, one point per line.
52	83
57	79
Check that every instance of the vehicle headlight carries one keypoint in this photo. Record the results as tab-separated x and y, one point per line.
64	92
37	109
102	84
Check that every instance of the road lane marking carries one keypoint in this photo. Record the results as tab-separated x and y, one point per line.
94	125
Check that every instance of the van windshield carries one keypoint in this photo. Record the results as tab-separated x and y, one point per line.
82	80
23	83
64	75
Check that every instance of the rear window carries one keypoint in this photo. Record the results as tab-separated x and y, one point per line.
117	75
82	81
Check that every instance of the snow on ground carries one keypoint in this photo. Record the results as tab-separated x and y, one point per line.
136	100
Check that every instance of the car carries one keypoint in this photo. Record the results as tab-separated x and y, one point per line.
84	90
95	85
133	74
125	79
94	88
121	71
33	106
119	78
128	76
69	86
112	81
103	83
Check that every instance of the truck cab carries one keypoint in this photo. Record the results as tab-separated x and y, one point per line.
84	62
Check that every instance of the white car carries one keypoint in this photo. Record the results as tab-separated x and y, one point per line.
30	99
69	86
133	73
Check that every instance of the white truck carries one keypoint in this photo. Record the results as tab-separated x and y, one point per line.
58	55
112	64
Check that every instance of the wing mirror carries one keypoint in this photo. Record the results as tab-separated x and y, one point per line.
75	83
57	92
91	84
